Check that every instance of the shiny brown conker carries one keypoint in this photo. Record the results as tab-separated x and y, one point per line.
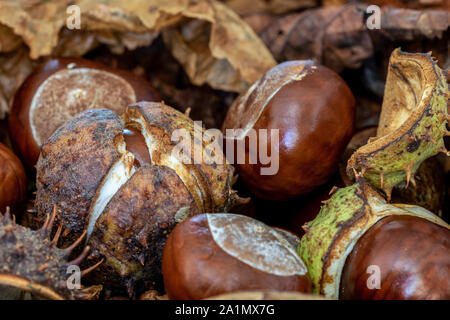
412	256
213	254
314	111
13	181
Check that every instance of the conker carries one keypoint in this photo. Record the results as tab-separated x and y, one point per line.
119	181
361	247
213	254
314	111
59	89
13	181
412	256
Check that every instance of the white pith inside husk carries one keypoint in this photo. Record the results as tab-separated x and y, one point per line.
124	168
118	175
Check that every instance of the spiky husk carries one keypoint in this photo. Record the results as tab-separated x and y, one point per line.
128	210
428	192
71	167
131	232
412	122
31	266
342	220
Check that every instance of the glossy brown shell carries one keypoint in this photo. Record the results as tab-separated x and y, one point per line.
13	181
196	267
314	110
412	254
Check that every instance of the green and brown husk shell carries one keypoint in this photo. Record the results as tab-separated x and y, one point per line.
412	122
342	220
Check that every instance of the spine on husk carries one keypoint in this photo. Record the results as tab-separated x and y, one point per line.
412	122
31	266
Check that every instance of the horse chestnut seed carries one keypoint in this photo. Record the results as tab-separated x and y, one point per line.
361	247
212	254
13	180
59	89
314	111
412	256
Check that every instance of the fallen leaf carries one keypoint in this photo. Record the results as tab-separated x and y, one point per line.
226	53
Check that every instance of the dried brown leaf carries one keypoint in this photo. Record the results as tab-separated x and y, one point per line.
9	40
225	53
334	2
413	31
245	7
334	36
406	4
14	68
409	25
337	36
259	21
153	295
211	62
89	293
412	4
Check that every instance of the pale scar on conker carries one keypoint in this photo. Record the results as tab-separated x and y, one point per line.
213	254
313	110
